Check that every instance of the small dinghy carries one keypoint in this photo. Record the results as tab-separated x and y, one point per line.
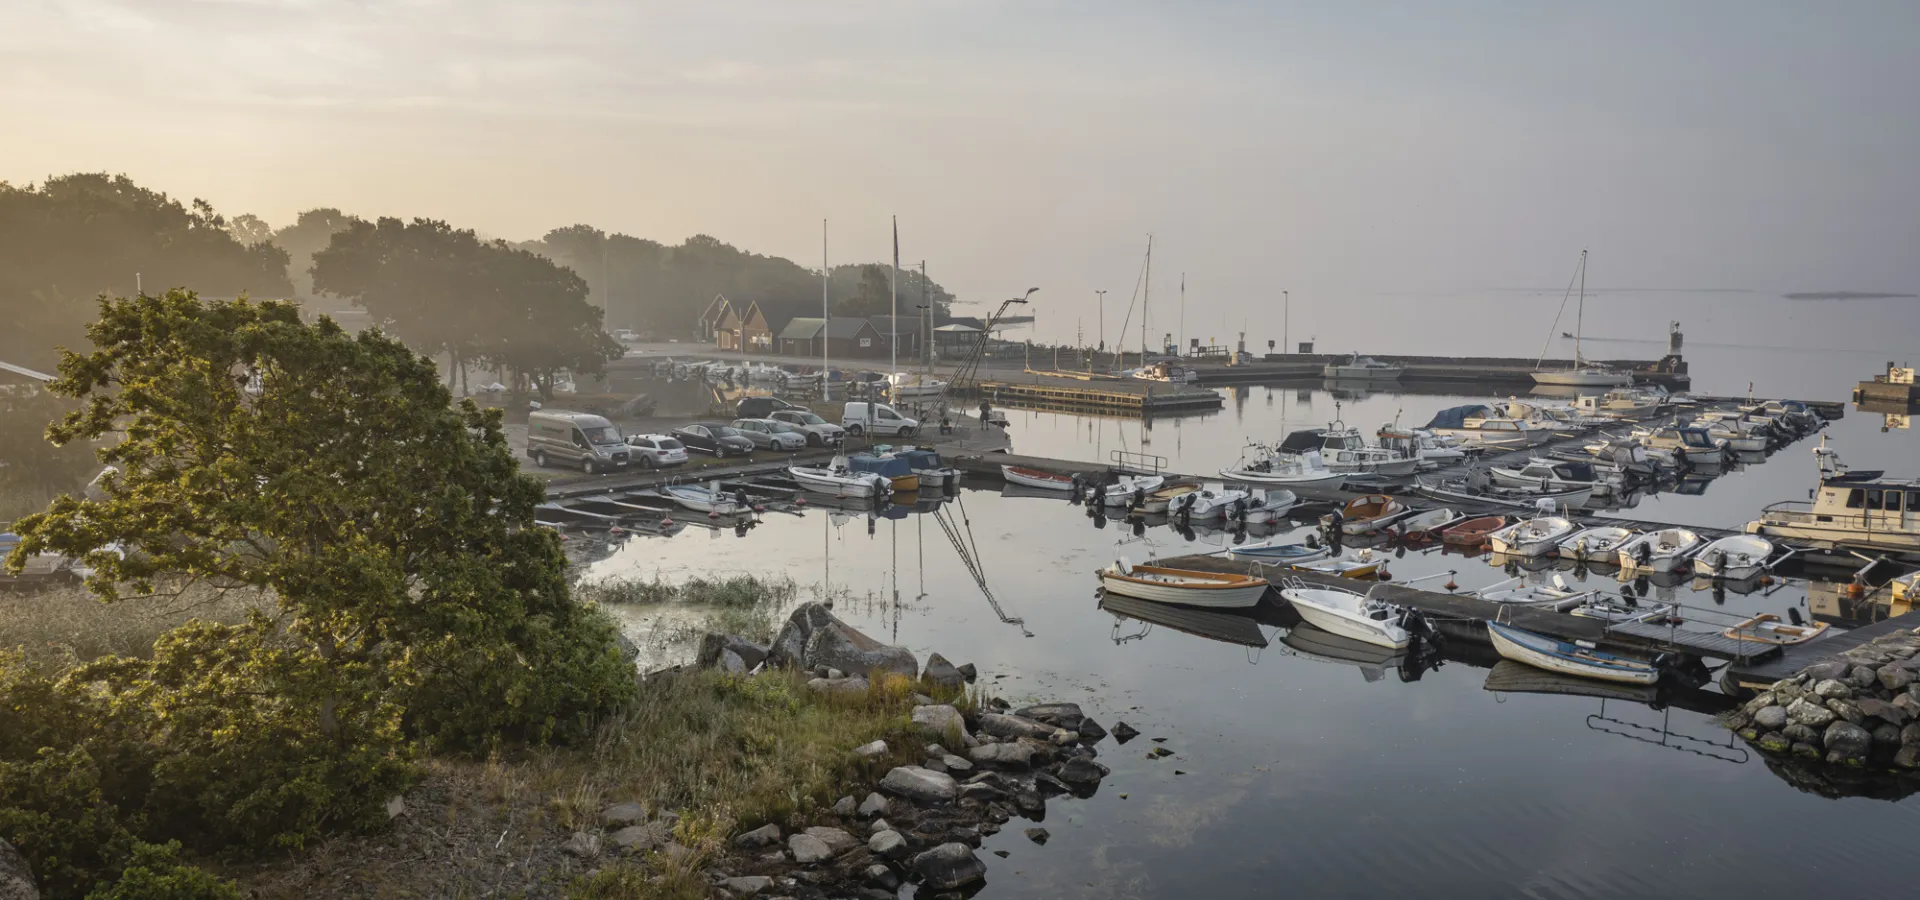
1361	617
1658	551
1734	558
1183	586
1125	491
1533	537
1766	628
1568	658
1208	503
1158	501
1472	532
840	481
1353	564
709	500
1278	551
934	474
1598	544
1617	612
1366	515
1266	506
1518	591
1034	478
1424	526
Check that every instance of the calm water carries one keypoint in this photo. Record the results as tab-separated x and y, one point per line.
1303	776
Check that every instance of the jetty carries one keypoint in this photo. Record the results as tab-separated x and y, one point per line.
1896	387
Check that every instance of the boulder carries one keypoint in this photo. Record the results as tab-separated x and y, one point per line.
1909	704
874	805
934	765
732	664
949	866
837	840
1832	669
747	885
765	836
1886	734
638	838
1770	718
1861	676
1830	689
1081	771
1881	709
16	879
881	876
1895	678
790	645
807	849
1030	804
1038	835
1775	743
967	671
1123	732
621	814
983	793
940	720
1807	750
1091	732
1910	735
918	784
844	807
887	845
1798	732
1009	727
1907	757
1846	709
1809	714
878	825
1007	756
870	750
843	647
1846	742
941	673
1059	715
582	845
956	765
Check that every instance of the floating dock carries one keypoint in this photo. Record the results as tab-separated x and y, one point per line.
1454	371
1069	393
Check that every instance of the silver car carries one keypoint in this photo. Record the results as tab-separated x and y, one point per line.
819	432
767	434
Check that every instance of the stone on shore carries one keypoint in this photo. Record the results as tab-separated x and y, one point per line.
765	836
1038	835
887	845
874	805
1010	727
843	647
1082	771
1091	732
1846	742
870	750
918	784
1895	678
949	866
16	879
939	720
1771	718
967	671
747	885
837	840
1009	756
1059	715
941	673
582	845
807	849
1123	732
1830	689
1809	714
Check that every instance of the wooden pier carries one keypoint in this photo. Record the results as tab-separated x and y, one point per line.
1758	674
1453	372
1123	396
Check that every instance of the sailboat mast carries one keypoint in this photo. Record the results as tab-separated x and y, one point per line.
926	313
1146	297
1183	310
826	312
1580	312
893	317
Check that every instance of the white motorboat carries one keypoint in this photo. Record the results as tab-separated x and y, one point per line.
1165	371
1158	502
1284	468
1370	513
1734	558
1858	509
1344	450
709	500
1520	592
1361	617
1268	506
1532	537
1183	586
1738	439
1480	424
1362	368
1128	488
1600	543
1659	551
1279	550
934	474
1695	441
914	386
1423	444
1569	658
841	481
1548	476
1617	612
1035	478
1210	502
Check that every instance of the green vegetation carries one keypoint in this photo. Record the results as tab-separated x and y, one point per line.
743	605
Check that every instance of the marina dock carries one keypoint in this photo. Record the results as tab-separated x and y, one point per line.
1455	372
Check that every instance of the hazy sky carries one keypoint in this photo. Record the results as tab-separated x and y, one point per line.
1333	149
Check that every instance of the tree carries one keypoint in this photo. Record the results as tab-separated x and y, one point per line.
422	281
874	296
309	234
250	229
537	320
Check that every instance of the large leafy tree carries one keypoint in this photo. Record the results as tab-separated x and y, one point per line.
537	321
309	234
67	240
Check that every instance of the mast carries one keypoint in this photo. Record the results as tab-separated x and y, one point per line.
1183	312
1146	296
1580	312
893	318
926	314
826	314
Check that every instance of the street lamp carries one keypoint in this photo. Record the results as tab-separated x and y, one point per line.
1103	320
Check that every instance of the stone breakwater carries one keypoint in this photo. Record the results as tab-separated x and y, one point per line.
1860	709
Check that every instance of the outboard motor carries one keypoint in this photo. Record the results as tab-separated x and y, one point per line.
1681	461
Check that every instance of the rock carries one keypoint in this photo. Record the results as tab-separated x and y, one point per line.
1038	835
1910	735
942	674
1123	732
831	674
1809	714
747	885
636	839
1798	732
1770	718
1846	742
874	805
1886	734
949	866
1895	678
1047	782
1807	750
879	825
1908	704
839	685
396	806
1082	771
623	814
790	646
887	845
956	765
967	671
1774	742
1006	756
941	721
1880	709
870	750
1846	709
765	836
1830	670
582	845
934	765
1059	715
844	807
1030	804
1907	757
880	876
1861	676
984	793
1091	732
843	647
1002	726
918	784
837	840
16	879
1829	689
732	664
807	849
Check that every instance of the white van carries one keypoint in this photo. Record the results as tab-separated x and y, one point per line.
861	417
580	440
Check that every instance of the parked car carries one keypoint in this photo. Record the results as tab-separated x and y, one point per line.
558	437
878	418
767	434
715	438
761	407
657	451
819	432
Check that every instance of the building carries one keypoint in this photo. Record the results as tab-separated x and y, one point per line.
708	329
800	337
911	329
847	337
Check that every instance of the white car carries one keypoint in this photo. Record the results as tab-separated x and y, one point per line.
657	451
767	434
861	417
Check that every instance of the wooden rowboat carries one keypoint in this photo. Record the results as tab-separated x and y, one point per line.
1766	628
1472	532
1035	478
1183	586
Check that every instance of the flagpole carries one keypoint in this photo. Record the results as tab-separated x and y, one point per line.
893	319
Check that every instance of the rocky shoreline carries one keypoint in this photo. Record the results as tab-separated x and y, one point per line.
1859	710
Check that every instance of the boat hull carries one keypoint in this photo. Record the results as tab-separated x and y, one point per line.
1579	378
829	484
1036	479
1345	624
1327	477
1207	597
1543	653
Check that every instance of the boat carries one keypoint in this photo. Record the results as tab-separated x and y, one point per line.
710	500
1309	641
1600	543
934	474
1519	591
914	386
1129	490
839	480
1737	438
1582	374
1268	506
1548	476
1210	502
1695	441
1214	624
1734	557
1368	514
1278	551
1568	658
1766	628
1345	450
1619	612
1472	532
1481	424
1183	586
898	472
1619	404
1288	468
1035	478
1165	371
1362	563
1360	617
1532	537
1659	551
1157	502
1423	444
1362	368
1475	487
1425	524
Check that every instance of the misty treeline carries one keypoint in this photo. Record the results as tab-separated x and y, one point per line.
532	308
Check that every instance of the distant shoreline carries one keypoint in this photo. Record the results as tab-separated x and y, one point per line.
1848	295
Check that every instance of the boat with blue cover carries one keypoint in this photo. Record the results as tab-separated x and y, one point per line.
1567	657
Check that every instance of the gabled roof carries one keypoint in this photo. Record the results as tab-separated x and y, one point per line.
908	325
801	330
847	326
716	309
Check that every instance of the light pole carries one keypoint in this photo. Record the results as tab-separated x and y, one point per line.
1103	320
1286	321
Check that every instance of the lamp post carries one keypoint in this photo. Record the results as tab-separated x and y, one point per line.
1286	320
1103	321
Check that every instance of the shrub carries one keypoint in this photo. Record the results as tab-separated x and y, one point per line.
155	872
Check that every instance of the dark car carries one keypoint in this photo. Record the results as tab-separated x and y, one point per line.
715	438
761	407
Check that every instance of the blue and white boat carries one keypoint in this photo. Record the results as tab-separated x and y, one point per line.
1278	551
1568	658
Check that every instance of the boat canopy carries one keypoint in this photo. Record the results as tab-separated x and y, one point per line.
1303	441
920	460
1576	471
1457	416
884	466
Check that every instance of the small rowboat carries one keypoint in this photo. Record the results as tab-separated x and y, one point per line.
1472	532
711	501
1599	544
1035	478
1615	612
1533	537
1122	492
1734	557
1366	515
1518	591
1554	655
1423	526
1276	551
1659	551
1766	628
1157	501
1356	564
1183	586
1267	506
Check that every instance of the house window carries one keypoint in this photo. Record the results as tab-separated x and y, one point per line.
866	342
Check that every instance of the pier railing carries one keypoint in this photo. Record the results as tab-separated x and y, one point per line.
1138	462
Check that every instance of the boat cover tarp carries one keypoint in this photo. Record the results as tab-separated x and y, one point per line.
1302	441
1456	416
884	466
921	460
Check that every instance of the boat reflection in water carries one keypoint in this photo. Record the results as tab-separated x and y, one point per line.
1308	641
1255	628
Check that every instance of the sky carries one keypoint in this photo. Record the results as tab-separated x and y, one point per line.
1331	150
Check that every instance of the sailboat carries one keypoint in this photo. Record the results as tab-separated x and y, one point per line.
1582	374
